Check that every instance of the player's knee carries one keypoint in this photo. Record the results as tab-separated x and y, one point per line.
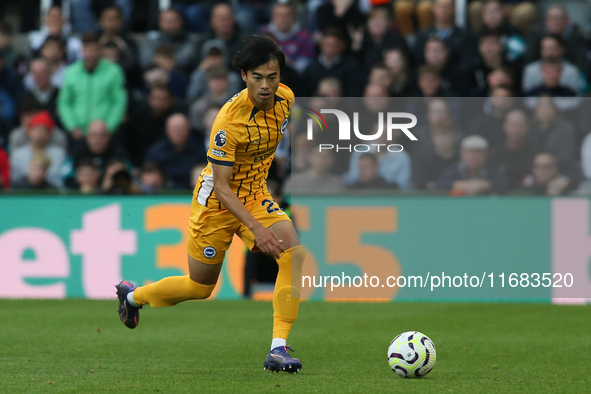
202	295
297	254
199	291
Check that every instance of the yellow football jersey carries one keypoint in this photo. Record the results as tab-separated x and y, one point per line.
245	138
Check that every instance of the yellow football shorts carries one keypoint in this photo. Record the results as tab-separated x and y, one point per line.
211	230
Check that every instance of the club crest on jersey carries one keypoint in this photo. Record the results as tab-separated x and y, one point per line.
209	252
283	126
220	138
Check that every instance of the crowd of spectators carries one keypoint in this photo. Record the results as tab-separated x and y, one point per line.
88	106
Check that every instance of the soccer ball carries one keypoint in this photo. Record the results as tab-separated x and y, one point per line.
411	354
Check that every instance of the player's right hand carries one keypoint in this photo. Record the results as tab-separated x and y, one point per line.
268	242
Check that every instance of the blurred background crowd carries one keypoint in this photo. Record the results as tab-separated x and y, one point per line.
118	96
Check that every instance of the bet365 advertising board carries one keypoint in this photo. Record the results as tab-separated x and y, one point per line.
365	248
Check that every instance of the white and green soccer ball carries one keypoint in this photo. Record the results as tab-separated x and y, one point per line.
411	354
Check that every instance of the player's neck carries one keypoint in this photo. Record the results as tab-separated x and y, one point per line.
261	106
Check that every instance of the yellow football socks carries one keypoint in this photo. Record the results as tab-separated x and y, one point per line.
170	291
286	297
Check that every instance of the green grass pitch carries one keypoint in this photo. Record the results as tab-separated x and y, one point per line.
79	346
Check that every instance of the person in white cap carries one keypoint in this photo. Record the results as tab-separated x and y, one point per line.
473	175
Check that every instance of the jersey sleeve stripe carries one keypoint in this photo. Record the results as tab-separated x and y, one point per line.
221	162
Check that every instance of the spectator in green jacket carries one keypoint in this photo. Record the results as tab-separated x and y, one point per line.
93	88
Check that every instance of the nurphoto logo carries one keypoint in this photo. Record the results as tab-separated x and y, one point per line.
344	133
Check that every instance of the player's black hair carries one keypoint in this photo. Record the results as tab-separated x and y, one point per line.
256	51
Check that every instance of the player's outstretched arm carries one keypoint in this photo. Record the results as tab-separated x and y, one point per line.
264	238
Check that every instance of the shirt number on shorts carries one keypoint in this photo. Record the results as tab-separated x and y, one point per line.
270	208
